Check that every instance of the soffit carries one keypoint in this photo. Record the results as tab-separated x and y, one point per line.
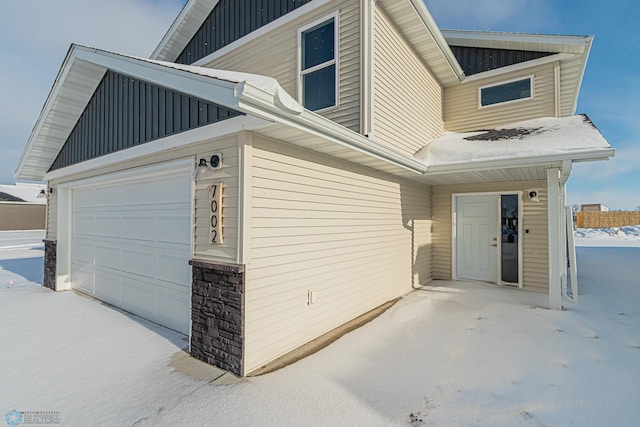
414	21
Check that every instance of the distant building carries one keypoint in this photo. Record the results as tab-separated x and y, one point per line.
22	207
594	207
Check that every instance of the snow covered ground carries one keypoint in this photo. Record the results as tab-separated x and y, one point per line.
453	354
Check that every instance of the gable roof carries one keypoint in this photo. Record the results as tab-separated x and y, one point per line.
258	96
411	16
572	52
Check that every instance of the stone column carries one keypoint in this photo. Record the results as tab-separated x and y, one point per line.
217	314
50	264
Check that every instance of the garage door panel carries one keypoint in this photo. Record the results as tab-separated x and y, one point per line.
107	287
131	244
139	297
141	263
173	309
107	226
173	229
108	257
172	268
139	227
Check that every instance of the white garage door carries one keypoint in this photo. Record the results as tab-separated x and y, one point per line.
131	246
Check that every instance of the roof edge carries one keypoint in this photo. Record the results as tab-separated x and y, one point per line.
438	37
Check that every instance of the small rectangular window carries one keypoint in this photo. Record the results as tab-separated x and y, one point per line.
318	67
506	92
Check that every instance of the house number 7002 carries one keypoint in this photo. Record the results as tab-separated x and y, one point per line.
215	220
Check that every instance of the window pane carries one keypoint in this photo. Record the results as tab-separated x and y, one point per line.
317	45
506	92
319	88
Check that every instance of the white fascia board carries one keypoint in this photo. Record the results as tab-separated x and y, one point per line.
172	142
261	32
188	13
53	93
196	85
552	159
583	67
257	102
436	34
494	39
520	66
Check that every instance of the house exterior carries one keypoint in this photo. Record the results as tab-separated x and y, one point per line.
342	167
22	207
594	207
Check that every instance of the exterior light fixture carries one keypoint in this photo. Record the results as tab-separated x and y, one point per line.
205	169
41	195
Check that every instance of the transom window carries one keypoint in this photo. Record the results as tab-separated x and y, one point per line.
506	92
318	67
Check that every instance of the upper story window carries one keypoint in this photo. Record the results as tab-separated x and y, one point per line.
515	90
318	65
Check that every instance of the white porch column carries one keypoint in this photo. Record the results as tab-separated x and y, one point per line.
554	213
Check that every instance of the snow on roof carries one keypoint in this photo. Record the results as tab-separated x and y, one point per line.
531	138
268	84
25	192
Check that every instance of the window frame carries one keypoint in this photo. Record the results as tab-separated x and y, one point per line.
531	96
335	61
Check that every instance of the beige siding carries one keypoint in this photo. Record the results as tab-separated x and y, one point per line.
275	55
407	98
52	216
228	175
534	218
345	232
462	112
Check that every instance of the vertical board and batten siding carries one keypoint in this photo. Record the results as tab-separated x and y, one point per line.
124	112
407	98
228	175
474	60
462	112
275	54
355	237
231	20
535	261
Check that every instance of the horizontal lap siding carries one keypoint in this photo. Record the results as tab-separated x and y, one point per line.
461	102
407	98
323	225
52	216
228	175
535	249
275	55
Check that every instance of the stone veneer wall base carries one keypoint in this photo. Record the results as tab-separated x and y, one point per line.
217	314
50	264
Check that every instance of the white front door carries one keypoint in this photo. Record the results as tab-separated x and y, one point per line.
477	237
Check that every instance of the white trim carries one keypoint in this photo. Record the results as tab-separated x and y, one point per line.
521	66
507	163
245	156
260	32
212	131
492	37
531	96
554	240
498	194
335	16
439	39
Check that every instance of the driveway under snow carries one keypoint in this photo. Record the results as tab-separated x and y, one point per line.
454	354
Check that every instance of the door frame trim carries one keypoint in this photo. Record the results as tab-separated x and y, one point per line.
454	200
